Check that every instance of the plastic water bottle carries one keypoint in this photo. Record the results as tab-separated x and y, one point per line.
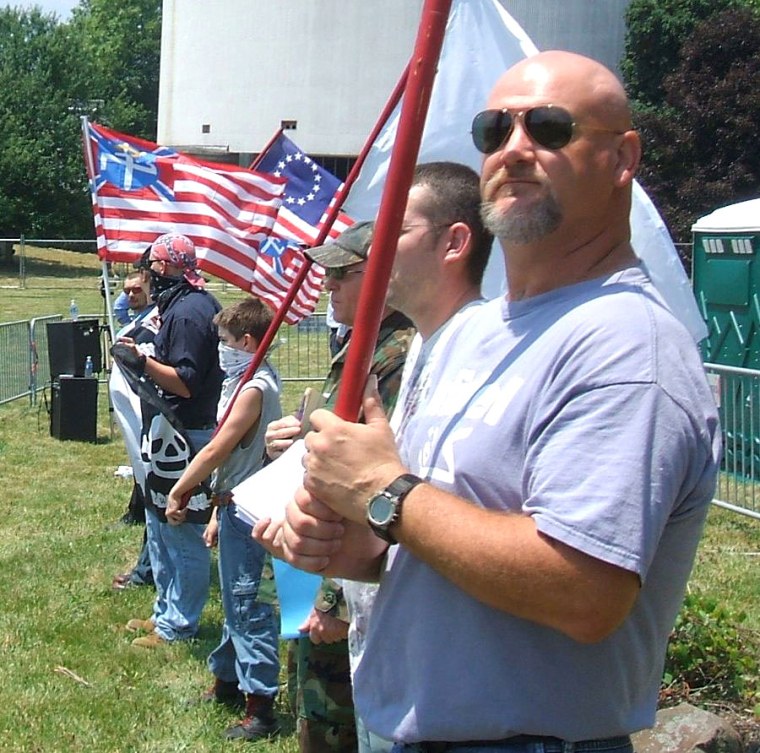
74	310
88	367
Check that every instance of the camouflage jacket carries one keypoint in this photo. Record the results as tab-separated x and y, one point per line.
393	340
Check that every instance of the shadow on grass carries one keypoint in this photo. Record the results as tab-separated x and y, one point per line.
42	261
47	268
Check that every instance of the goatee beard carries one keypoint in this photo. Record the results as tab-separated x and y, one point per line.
522	227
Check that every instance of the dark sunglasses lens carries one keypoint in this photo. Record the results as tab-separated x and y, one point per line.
489	129
551	127
336	273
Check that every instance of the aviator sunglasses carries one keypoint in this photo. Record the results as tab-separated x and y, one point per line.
548	125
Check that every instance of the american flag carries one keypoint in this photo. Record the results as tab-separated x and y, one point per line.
309	193
141	190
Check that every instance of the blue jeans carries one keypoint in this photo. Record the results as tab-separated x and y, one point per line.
142	574
249	648
181	565
521	744
181	570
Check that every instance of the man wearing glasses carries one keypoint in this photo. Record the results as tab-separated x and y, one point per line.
552	489
141	325
133	298
319	662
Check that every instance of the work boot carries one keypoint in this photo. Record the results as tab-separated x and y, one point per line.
154	640
137	625
226	692
259	721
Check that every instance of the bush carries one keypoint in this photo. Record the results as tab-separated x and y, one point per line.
709	656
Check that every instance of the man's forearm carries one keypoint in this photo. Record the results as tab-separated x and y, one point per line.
166	377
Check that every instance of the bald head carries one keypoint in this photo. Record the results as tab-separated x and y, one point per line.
575	81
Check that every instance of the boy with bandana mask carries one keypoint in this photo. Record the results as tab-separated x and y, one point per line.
245	665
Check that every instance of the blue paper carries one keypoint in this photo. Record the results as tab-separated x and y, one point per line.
296	591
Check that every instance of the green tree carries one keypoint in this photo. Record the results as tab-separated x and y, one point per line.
120	44
700	150
103	63
41	182
655	30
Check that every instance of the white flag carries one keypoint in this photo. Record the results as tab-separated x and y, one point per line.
482	40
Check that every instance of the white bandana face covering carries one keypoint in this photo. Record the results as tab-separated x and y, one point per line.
233	361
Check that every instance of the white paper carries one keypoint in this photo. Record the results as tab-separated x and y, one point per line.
268	492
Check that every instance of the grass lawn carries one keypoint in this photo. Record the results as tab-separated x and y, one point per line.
69	679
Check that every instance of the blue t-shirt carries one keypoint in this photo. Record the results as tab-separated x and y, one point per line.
586	408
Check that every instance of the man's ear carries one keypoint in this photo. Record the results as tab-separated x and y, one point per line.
628	158
458	242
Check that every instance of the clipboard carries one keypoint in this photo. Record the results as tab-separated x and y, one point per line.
311	400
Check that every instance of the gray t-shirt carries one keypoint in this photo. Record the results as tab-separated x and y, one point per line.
248	456
586	408
413	392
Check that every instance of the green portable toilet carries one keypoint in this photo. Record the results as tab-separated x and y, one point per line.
726	278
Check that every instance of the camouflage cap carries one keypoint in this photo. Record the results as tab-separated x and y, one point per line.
350	247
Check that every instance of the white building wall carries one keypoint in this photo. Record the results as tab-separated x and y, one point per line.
237	68
591	27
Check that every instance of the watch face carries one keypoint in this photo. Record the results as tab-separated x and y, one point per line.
381	509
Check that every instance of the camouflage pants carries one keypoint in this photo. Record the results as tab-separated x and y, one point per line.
319	689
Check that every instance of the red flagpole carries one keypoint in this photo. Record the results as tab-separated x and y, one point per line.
422	70
261	154
415	85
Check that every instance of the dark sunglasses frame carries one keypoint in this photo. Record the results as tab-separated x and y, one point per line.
549	126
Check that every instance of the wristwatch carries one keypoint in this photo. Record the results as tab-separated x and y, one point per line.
384	508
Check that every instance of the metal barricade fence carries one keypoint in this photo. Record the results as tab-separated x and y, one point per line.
24	367
14	365
301	354
39	363
302	351
737	393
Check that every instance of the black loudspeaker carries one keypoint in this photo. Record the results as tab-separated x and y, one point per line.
74	409
69	344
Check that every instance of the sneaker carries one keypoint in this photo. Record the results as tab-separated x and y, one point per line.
154	640
253	728
136	625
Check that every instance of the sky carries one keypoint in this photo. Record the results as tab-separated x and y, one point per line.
61	8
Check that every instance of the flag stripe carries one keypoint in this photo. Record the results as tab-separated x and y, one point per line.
140	189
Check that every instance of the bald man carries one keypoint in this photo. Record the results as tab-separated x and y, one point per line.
551	491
